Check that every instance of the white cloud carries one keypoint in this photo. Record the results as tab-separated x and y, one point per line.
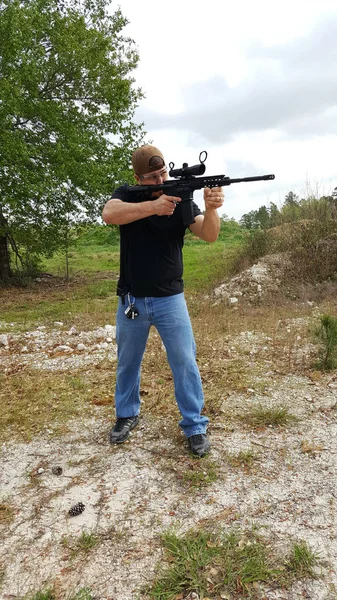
253	83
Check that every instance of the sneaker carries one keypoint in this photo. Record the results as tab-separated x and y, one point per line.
122	428
199	444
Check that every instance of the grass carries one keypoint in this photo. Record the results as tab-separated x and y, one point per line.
200	474
82	544
276	416
51	594
245	459
7	514
31	404
238	564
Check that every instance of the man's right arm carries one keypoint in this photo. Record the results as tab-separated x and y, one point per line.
117	212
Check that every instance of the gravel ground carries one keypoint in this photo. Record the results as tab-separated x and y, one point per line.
134	492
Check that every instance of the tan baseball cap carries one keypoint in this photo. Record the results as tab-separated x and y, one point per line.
147	159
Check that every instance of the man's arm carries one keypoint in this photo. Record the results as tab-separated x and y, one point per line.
117	212
207	226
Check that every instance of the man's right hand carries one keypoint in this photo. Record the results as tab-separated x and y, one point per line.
165	205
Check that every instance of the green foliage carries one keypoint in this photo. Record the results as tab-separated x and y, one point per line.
323	210
47	595
302	561
230	565
66	130
326	334
269	417
99	235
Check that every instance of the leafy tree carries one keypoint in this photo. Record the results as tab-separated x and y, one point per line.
274	215
263	218
248	220
67	101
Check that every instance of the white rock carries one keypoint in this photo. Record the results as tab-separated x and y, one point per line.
72	331
232	300
4	342
111	330
58	323
81	347
63	348
24	349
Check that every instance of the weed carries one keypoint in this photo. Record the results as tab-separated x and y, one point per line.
46	595
261	417
86	541
82	544
6	514
201	474
82	594
232	565
326	333
302	561
243	459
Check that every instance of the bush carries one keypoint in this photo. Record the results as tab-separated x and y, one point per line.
326	333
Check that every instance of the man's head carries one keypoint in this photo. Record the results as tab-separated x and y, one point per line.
149	165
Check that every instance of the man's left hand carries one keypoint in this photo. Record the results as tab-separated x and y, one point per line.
213	198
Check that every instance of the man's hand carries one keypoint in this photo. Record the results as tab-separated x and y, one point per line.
213	198
165	205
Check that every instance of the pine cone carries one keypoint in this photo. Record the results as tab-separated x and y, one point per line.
57	470
77	509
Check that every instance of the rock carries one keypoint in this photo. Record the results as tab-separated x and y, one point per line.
63	348
72	331
110	330
4	341
81	347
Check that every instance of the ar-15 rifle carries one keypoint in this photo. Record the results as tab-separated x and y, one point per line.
187	183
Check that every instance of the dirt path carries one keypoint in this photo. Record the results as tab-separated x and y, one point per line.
134	492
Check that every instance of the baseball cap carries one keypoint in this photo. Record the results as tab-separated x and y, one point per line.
147	159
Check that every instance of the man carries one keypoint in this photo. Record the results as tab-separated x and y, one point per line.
150	290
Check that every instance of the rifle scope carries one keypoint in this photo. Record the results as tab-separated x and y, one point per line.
187	171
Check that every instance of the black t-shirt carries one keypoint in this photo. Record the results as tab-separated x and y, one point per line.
151	262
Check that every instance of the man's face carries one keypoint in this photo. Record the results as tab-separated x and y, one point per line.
154	178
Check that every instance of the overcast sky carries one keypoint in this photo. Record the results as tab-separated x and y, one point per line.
253	83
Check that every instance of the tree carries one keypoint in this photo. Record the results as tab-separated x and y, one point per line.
248	220
274	215
67	101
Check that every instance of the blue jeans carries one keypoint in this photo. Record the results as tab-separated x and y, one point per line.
170	316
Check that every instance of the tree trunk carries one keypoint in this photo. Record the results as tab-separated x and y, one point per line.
5	269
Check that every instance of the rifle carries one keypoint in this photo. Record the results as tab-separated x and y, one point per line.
188	181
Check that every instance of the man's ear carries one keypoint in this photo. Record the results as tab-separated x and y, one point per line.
136	178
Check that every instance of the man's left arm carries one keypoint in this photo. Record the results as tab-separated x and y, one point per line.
207	226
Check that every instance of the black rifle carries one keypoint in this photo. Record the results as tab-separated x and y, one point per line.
187	183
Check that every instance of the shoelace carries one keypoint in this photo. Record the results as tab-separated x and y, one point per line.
121	422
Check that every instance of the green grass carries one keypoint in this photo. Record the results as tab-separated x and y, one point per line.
261	417
32	403
50	594
81	544
90	293
236	565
